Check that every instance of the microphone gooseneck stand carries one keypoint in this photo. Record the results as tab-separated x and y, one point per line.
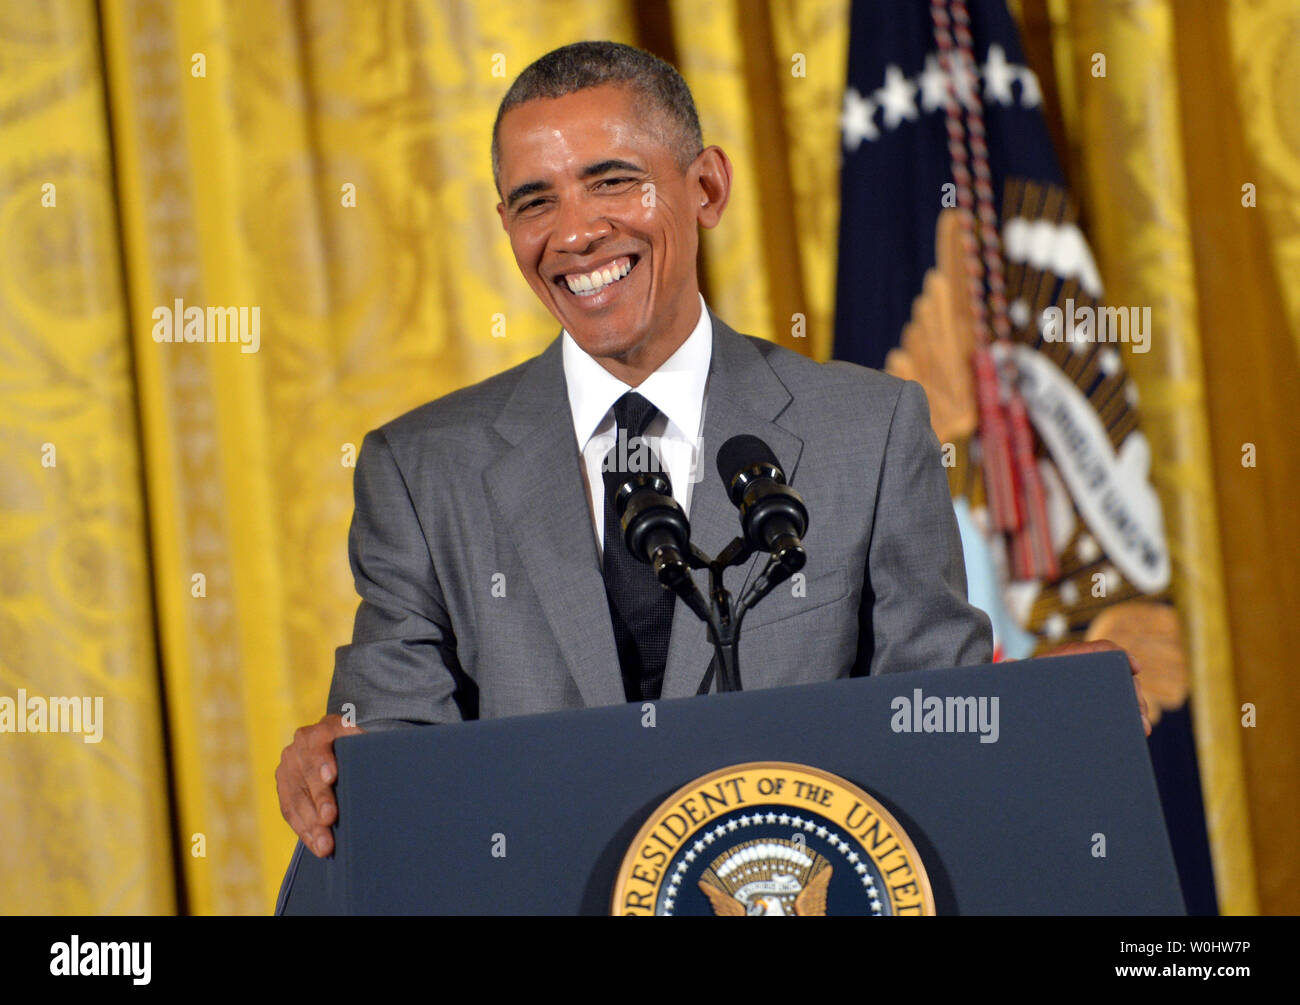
656	531
723	617
721	614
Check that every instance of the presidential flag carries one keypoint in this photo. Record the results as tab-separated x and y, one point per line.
962	266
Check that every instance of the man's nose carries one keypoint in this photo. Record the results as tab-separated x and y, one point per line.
580	224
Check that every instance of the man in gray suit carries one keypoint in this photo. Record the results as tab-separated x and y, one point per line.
482	546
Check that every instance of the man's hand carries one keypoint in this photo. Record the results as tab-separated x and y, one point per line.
1103	646
305	782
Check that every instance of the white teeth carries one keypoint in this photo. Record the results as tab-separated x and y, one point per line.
592	282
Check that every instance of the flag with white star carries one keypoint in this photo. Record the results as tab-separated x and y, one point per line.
895	159
957	235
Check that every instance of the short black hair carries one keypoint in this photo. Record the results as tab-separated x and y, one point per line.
581	65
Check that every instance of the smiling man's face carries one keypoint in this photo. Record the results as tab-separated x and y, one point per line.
603	222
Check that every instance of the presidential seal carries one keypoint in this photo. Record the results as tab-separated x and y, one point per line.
771	838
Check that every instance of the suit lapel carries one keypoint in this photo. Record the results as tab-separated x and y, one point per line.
538	487
744	395
558	552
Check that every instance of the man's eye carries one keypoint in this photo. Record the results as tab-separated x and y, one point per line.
616	181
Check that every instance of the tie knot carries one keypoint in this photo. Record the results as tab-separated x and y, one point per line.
633	413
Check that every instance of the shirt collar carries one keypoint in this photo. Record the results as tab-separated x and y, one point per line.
676	388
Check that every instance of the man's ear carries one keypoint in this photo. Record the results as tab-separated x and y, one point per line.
714	185
501	212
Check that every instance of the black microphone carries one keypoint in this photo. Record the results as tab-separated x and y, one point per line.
653	524
655	529
772	514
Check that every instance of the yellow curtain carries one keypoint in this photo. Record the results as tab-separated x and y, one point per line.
324	166
1241	124
1253	137
1183	143
84	826
1258	55
768	79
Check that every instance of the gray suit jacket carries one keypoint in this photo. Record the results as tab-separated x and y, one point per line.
482	594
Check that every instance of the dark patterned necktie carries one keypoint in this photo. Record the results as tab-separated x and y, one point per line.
641	609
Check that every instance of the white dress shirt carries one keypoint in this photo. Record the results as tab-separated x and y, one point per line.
678	389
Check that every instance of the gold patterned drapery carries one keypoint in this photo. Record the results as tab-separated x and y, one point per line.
326	163
83	826
1182	144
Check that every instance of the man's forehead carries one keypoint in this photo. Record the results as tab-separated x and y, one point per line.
587	102
609	117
